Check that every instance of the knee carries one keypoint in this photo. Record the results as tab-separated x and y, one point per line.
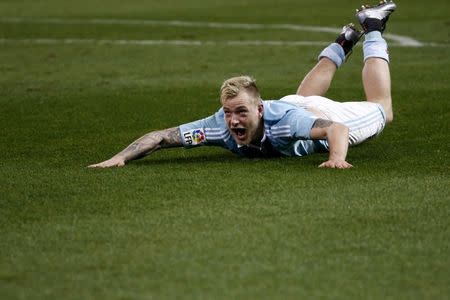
387	106
389	117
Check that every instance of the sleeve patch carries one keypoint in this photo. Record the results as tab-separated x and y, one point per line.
194	136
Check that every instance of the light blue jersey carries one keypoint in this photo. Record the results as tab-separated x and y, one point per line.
287	130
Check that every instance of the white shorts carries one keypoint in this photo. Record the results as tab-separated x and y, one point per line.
364	119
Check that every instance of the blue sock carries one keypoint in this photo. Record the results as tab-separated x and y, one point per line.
335	52
375	46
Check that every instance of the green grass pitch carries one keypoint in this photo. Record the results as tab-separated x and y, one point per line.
203	223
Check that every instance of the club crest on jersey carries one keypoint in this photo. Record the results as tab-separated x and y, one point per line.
194	136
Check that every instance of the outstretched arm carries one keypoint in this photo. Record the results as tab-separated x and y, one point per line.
143	146
337	137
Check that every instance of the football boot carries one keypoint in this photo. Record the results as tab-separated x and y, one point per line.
375	17
348	38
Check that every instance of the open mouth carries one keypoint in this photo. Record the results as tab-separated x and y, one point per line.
239	132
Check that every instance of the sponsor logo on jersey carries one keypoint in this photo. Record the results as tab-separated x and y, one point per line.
194	136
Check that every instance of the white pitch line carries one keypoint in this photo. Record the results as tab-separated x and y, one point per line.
72	41
402	40
76	41
68	41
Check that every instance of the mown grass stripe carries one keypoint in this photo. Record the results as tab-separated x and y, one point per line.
402	40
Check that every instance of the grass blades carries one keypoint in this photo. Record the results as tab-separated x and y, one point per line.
203	223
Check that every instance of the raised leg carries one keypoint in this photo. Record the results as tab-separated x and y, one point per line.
318	80
377	84
376	75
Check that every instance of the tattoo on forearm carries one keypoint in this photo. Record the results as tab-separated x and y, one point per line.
172	138
133	147
322	123
152	142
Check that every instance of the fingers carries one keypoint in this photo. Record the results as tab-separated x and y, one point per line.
100	165
342	164
108	164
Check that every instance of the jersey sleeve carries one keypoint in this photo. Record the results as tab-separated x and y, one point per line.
299	122
210	131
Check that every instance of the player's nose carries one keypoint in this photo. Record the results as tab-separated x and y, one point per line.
234	120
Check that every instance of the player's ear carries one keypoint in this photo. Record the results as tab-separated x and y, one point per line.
260	109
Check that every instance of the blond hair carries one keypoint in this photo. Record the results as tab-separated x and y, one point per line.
233	86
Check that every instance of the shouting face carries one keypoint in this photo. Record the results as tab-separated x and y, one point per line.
244	118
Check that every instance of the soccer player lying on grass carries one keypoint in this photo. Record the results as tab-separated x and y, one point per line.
295	125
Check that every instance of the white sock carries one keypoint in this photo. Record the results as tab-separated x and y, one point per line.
375	46
335	52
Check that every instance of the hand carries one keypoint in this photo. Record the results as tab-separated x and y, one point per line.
112	162
336	164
